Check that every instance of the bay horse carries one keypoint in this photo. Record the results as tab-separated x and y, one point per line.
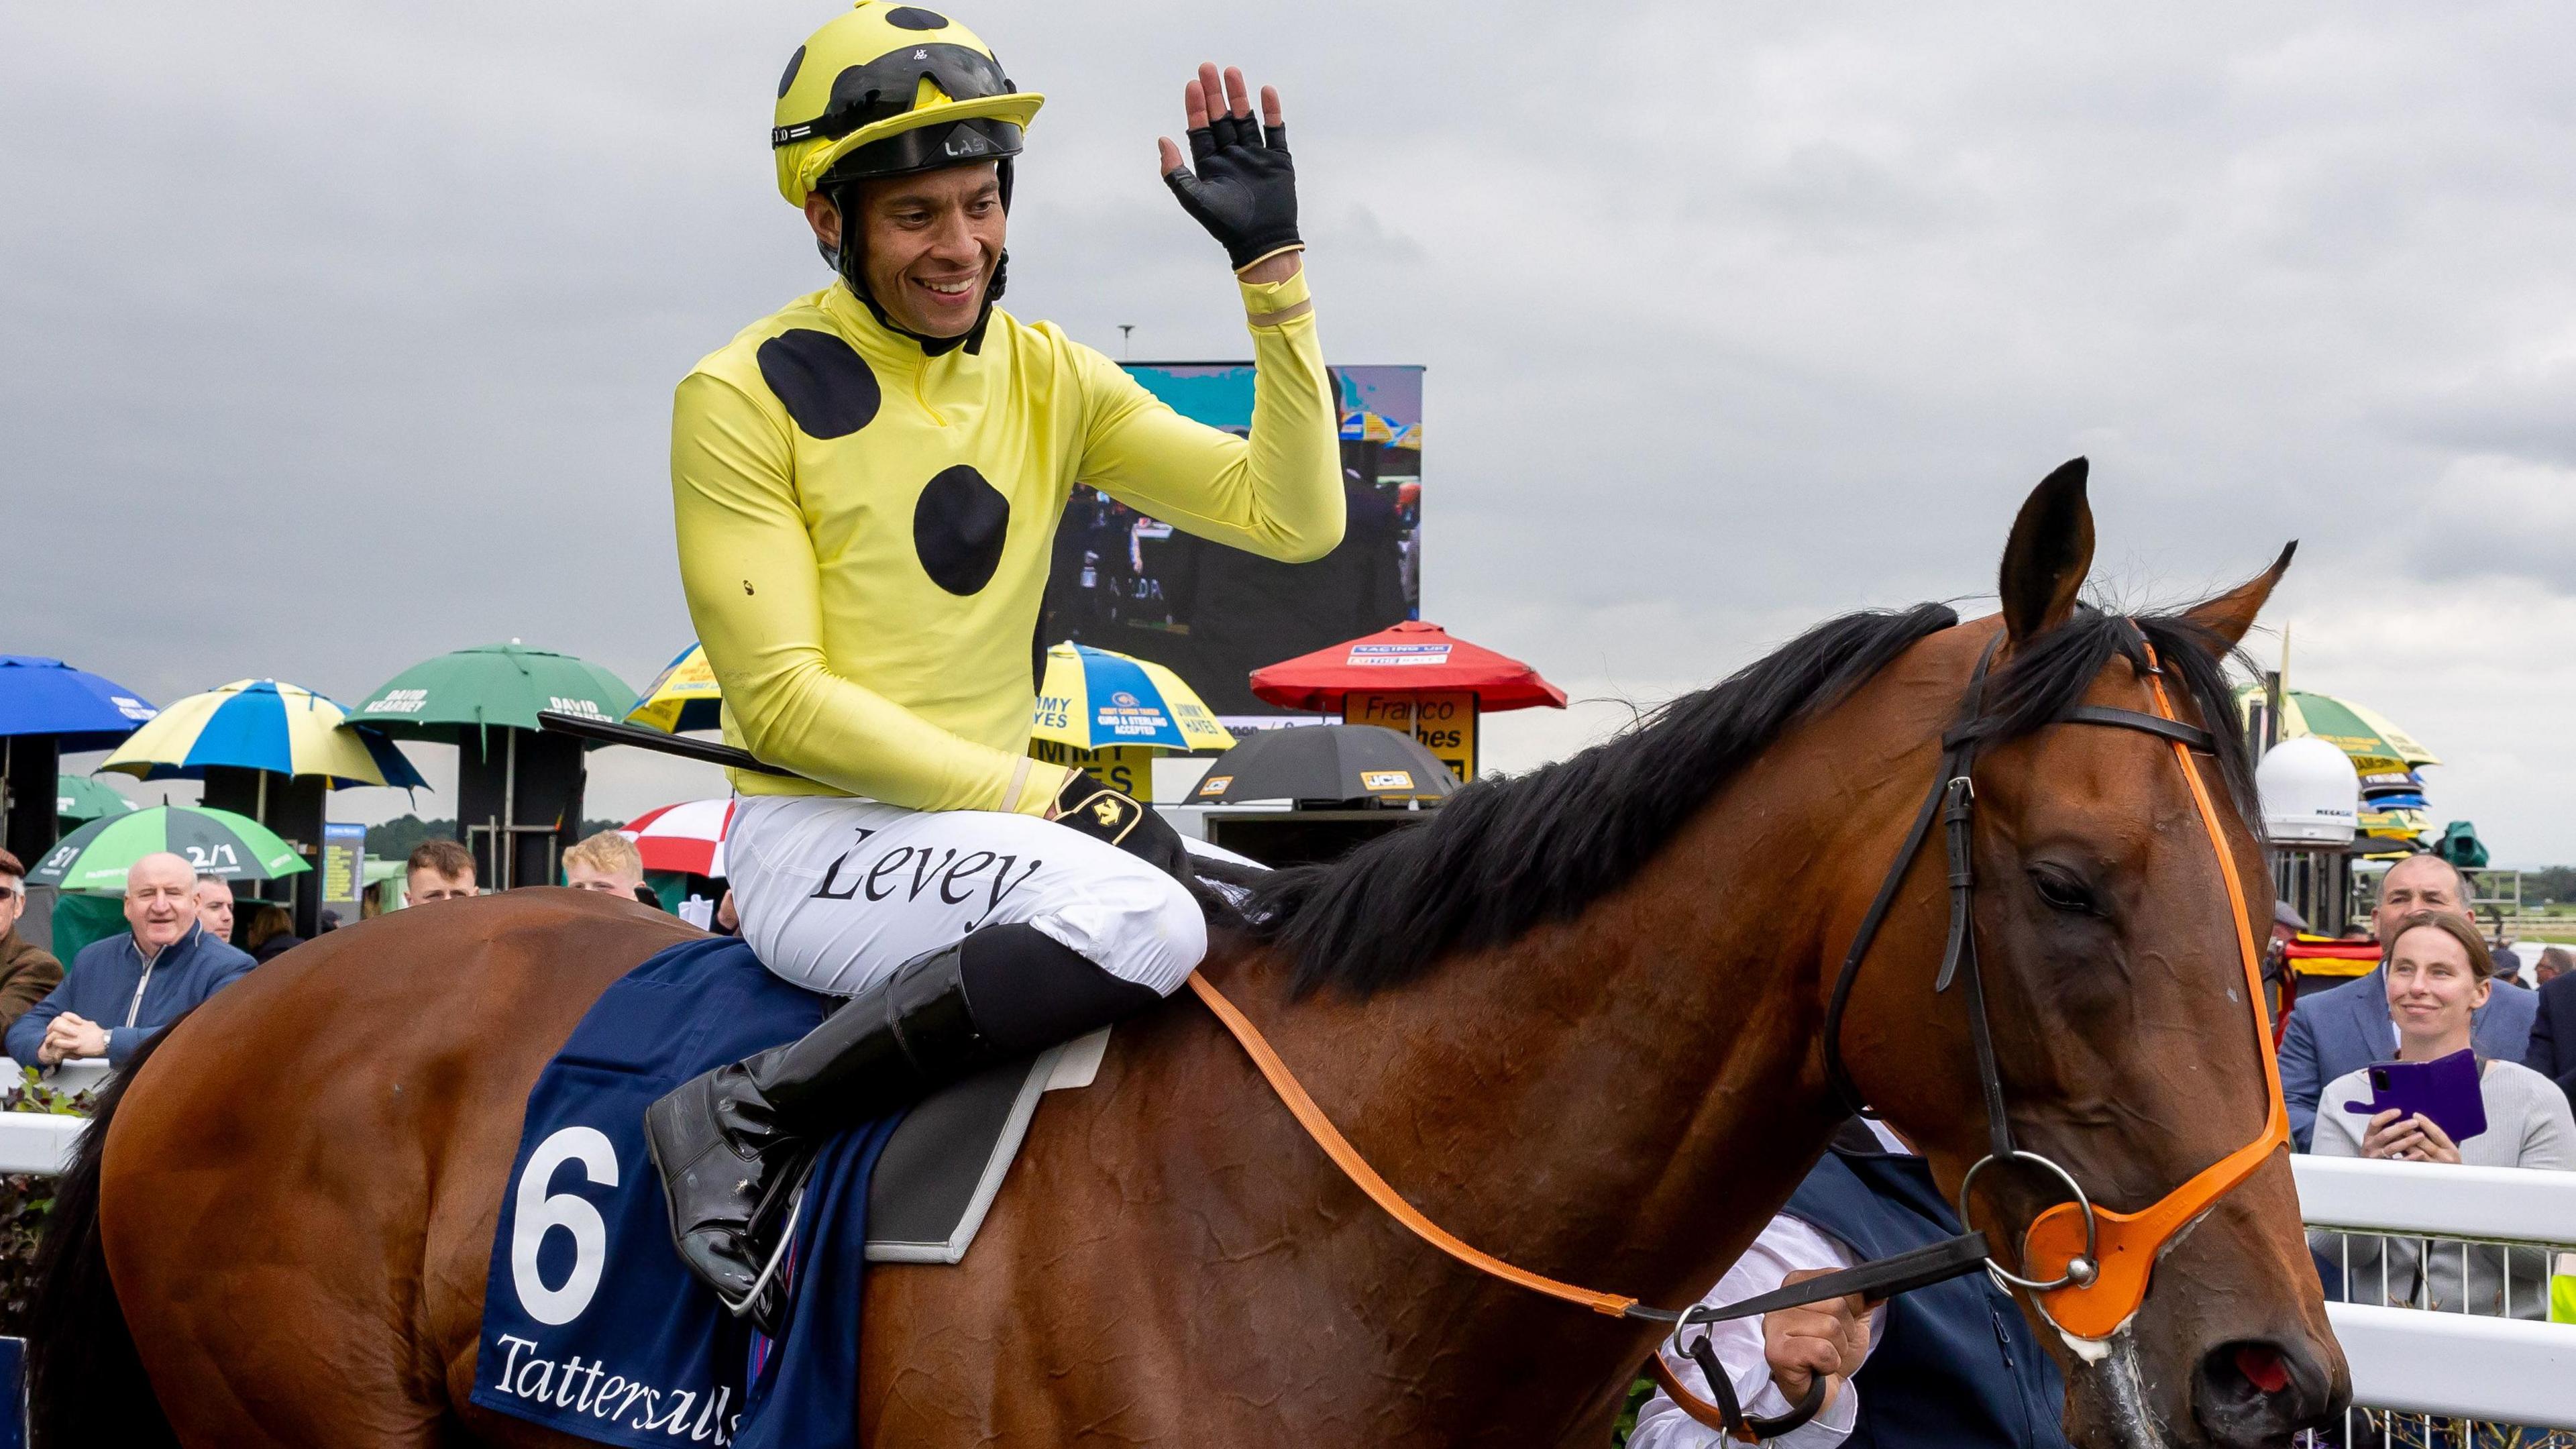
1575	1017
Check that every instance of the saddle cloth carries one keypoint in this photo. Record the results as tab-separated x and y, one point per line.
590	1324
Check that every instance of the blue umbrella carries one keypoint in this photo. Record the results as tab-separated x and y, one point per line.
40	696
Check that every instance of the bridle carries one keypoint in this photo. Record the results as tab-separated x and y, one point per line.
2092	1263
2085	1267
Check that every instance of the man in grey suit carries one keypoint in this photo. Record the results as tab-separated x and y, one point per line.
2348	1028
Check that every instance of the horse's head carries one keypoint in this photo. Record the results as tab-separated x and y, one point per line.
2112	951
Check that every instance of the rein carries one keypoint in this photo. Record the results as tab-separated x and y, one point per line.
2098	1261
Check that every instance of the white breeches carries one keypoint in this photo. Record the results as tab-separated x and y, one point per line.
836	893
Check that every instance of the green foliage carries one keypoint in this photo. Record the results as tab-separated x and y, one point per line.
1638	1392
2557	883
25	1199
398	837
32	1093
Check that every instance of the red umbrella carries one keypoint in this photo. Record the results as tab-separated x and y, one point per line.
1412	657
686	837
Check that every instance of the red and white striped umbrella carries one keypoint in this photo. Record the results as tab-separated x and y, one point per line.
687	837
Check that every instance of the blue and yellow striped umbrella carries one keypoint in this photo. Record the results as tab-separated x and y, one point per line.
682	697
260	724
1094	699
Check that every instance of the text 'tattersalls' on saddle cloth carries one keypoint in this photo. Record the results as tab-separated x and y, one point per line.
590	1325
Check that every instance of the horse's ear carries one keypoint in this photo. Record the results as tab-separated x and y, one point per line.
2050	551
2232	613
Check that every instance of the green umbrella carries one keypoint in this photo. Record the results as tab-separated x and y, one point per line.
216	842
80	799
2377	746
495	685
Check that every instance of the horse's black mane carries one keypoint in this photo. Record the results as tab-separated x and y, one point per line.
1502	856
2049	676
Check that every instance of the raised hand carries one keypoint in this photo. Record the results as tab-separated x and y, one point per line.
1244	187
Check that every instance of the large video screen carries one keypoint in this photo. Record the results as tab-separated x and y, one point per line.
1122	580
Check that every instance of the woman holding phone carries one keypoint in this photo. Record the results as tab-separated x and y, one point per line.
2438	972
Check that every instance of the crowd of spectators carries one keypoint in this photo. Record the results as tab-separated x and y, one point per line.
187	936
2344	1029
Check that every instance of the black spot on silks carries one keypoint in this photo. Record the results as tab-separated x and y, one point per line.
913	17
959	527
795	63
826	385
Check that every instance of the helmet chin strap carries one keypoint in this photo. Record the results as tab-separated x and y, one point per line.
847	260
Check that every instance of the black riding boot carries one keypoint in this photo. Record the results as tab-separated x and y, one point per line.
728	1142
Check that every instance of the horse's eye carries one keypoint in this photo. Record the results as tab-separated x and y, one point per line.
2062	892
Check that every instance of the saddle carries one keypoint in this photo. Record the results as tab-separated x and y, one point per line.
937	1176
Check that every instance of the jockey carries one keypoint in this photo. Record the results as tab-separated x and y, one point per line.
867	486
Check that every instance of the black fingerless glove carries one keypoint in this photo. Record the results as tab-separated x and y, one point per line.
1245	189
1123	821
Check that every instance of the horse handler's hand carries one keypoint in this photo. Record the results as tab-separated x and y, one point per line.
1826	1338
1245	188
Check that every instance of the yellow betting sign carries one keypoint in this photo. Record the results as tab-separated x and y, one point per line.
1445	723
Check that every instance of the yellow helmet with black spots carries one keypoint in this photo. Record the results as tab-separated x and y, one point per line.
888	90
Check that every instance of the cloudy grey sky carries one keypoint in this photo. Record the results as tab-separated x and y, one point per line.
339	336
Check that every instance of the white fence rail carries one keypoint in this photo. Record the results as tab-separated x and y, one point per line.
38	1143
2503	1370
2496	1369
2503	1204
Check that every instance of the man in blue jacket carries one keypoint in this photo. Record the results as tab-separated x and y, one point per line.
2348	1028
121	990
2553	1034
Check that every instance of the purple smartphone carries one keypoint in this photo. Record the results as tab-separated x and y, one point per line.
2444	1089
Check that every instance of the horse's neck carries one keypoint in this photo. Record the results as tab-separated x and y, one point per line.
1621	1100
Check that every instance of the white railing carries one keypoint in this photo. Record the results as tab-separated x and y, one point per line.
2457	1365
40	1142
2418	1362
85	1074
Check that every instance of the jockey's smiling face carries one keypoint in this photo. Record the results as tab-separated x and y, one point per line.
929	244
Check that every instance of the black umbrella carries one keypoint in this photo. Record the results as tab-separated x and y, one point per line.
1325	762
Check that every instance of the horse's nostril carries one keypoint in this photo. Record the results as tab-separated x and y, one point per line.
2255	1391
2261	1365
